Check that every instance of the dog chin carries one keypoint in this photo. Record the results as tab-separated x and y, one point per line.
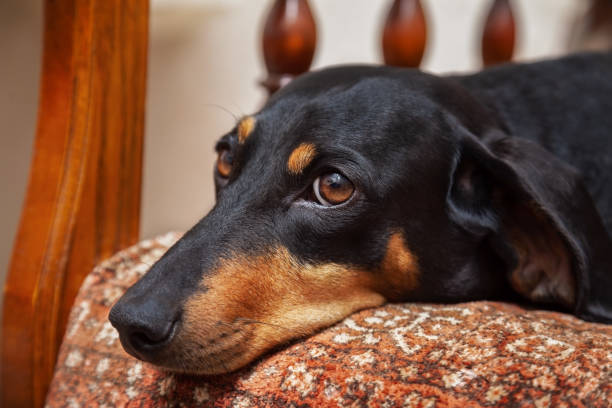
203	365
210	363
194	355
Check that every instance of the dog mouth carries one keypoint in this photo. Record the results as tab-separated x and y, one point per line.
220	353
221	348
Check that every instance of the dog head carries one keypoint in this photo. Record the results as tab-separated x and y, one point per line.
353	186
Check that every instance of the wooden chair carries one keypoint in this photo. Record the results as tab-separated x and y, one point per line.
83	197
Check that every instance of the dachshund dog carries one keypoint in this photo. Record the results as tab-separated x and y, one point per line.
360	185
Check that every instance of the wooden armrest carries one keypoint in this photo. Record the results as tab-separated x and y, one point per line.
83	199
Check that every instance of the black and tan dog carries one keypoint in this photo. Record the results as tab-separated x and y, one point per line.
359	185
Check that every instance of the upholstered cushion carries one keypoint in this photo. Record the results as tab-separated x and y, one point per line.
417	355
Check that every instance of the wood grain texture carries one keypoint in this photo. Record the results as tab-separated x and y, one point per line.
404	35
289	42
83	199
499	34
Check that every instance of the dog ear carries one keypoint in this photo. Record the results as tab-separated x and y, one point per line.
536	215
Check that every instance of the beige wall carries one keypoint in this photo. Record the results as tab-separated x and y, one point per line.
203	62
20	54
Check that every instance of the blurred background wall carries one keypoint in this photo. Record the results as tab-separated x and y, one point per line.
204	61
20	58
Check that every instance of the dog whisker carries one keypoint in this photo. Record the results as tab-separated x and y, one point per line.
222	362
252	321
224	109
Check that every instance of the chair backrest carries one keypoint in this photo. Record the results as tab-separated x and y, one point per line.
290	37
83	198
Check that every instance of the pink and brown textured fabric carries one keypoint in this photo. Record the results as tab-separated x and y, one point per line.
477	354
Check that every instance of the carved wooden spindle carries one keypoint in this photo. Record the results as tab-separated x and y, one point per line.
498	36
404	34
289	41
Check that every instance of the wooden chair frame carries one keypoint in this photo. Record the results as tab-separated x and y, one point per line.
83	198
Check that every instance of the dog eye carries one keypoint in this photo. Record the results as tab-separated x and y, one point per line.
332	189
225	160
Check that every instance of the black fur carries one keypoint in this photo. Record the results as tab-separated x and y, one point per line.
445	160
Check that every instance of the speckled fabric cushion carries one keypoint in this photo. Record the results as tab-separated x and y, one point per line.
404	355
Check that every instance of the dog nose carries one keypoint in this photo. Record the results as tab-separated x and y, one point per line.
143	329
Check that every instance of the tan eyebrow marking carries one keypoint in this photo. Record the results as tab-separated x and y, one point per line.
301	157
245	128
